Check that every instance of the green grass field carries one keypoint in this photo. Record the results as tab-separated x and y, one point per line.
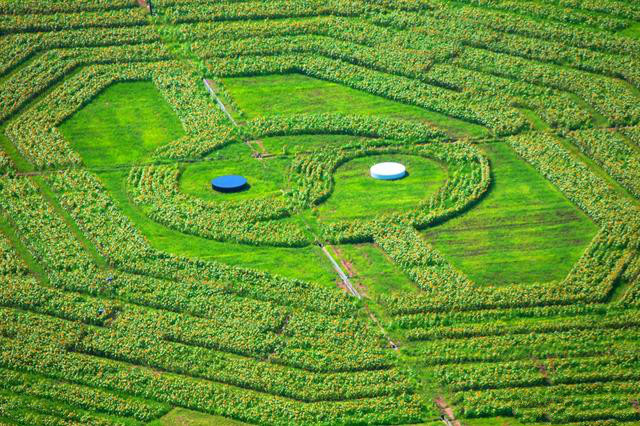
524	231
524	217
357	196
265	177
296	93
109	132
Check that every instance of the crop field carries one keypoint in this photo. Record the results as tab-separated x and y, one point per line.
496	284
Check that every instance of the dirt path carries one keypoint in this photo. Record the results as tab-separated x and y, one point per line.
446	411
260	145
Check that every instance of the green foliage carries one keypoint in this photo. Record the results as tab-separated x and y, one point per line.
130	307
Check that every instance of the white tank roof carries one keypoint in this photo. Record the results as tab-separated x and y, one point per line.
388	171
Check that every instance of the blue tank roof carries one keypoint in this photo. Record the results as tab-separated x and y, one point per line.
229	183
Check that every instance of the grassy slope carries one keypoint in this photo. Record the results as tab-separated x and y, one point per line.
524	231
295	93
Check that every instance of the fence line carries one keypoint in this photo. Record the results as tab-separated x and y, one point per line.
343	276
218	101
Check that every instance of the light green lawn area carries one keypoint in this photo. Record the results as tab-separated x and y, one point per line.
184	417
633	31
122	125
265	178
286	94
524	231
357	195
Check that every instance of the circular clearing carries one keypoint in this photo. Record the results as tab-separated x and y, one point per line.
229	183
388	171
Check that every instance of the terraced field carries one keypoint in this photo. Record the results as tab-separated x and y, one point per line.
497	284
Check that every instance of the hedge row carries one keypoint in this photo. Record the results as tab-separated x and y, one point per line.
493	114
545	51
613	99
6	165
569	35
255	10
460	318
30	213
618	367
17	48
67	21
517	347
10	262
554	13
583	322
44	412
502	401
613	153
611	7
93	399
195	298
63	6
55	65
43	356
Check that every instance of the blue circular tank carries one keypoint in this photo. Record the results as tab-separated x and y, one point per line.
229	183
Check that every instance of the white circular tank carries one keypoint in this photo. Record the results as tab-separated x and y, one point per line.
388	171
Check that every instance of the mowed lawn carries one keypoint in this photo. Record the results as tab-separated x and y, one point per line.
358	196
286	94
266	178
524	231
122	125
